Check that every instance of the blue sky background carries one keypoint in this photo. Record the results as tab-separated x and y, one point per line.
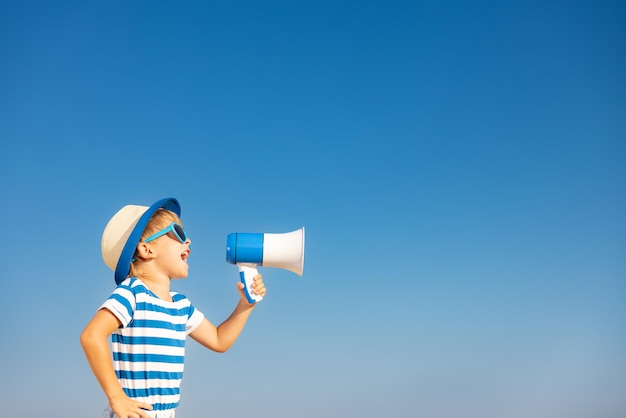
459	166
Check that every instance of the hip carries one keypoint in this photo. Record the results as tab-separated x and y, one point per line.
169	413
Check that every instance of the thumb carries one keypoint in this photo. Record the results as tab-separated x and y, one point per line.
240	287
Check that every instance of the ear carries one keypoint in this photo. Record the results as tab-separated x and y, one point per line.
145	251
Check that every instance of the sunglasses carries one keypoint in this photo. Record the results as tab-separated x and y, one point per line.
178	231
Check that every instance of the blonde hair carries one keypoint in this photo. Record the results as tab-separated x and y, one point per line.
160	220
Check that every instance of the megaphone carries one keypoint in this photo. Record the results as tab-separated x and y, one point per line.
249	250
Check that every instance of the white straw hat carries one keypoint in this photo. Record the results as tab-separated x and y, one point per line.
123	232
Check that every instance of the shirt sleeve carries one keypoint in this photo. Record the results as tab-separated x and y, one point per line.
195	319
121	304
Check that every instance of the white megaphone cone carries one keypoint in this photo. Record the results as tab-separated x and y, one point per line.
247	251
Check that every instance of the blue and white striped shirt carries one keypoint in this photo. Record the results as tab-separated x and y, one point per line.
149	347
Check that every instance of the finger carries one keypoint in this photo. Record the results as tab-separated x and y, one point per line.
143	413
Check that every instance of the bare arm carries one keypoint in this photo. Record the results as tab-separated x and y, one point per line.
221	338
96	348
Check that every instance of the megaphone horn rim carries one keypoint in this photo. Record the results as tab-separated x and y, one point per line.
285	251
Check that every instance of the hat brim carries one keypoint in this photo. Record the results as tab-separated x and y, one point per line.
123	264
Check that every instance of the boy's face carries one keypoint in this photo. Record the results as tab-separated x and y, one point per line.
172	255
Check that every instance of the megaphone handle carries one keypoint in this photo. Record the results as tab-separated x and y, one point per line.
246	275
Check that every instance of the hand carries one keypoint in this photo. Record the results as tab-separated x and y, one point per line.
257	287
125	407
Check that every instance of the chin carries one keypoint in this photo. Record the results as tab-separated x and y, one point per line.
180	275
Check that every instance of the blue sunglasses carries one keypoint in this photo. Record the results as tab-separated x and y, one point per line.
178	231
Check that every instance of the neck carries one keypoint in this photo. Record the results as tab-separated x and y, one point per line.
157	283
159	288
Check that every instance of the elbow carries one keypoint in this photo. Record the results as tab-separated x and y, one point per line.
84	340
220	350
87	339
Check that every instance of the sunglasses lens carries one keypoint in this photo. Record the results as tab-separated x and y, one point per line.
180	233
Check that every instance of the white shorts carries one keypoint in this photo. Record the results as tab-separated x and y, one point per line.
108	413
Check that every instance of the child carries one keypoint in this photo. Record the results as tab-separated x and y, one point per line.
147	247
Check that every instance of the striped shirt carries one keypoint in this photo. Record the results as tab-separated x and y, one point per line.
149	347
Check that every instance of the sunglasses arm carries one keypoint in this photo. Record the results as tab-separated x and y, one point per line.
247	272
